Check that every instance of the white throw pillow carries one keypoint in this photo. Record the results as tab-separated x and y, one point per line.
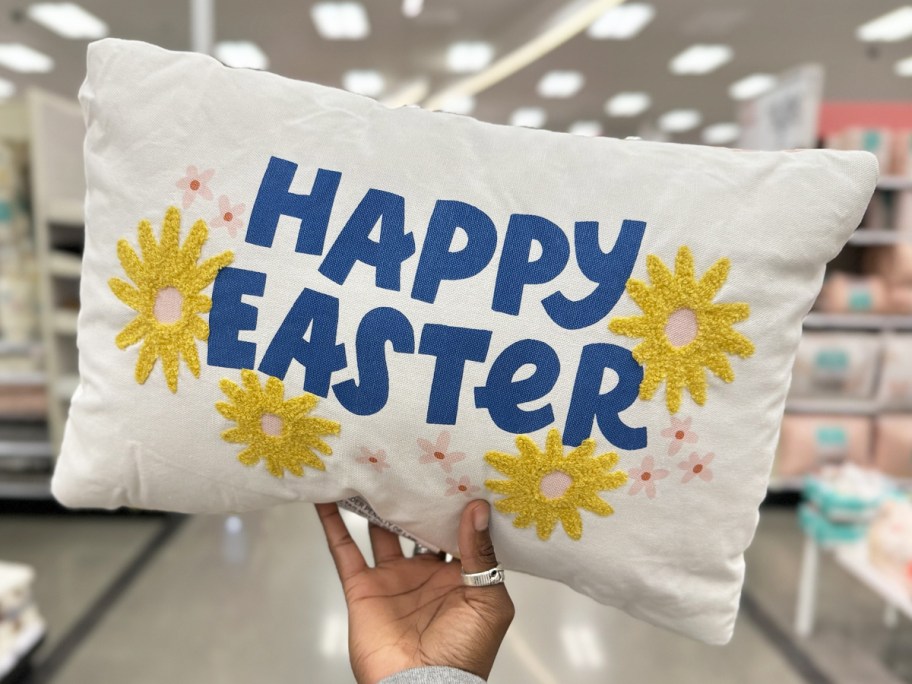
594	335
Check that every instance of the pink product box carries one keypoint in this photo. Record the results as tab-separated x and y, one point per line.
901	154
830	365
808	442
893	264
895	391
893	445
842	293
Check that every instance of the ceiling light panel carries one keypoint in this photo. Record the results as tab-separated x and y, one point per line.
459	104
22	58
241	54
904	67
560	84
340	20
701	59
751	86
680	120
412	8
469	57
529	117
721	133
890	28
628	104
67	19
623	22
364	82
590	129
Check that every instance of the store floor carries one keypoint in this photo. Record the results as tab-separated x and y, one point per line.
216	601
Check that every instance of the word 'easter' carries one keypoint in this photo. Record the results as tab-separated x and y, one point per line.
438	265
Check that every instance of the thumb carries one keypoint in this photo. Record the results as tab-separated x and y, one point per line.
475	546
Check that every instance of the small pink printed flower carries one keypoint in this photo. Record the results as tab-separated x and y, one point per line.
375	459
229	216
463	486
645	476
697	467
195	183
679	433
437	452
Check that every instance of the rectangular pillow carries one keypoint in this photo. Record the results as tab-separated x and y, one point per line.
293	293
808	442
835	365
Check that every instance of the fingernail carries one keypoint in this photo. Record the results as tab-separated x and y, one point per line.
480	517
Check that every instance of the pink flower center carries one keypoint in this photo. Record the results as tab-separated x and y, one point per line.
698	468
372	459
168	305
194	185
228	216
271	424
646	476
439	455
681	327
679	434
555	484
462	488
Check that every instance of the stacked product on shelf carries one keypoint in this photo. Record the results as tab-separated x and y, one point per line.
851	394
840	502
890	543
21	625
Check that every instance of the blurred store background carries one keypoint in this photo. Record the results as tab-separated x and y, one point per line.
133	597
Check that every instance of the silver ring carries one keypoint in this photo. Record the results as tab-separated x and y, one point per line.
487	578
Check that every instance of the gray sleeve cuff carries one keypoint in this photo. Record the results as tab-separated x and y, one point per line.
433	675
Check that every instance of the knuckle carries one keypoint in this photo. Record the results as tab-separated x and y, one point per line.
486	552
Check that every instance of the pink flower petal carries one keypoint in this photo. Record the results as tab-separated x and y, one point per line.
706	475
238	209
688	476
690	437
443	441
668	432
650	489
206	175
708	458
635	473
205	192
224	205
189	196
648	463
426	445
635	487
659	474
232	229
192	172
674	447
686	422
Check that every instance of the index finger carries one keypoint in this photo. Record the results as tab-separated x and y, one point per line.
345	553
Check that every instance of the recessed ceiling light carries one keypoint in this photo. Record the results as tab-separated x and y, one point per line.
340	20
586	128
628	104
680	120
22	58
904	67
241	54
412	8
529	117
7	88
721	133
560	84
751	86
67	19
622	22
364	82
701	59
459	104
890	28
468	57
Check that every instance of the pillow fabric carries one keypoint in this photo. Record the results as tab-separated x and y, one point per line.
293	293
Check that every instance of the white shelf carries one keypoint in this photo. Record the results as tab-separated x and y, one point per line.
66	213
30	379
65	321
64	264
860	321
894	183
878	238
854	559
26	488
9	348
845	407
25	449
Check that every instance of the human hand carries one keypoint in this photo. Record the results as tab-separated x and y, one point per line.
415	612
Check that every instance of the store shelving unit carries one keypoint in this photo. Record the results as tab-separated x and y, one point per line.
56	132
884	324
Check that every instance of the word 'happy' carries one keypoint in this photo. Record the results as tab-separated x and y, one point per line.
438	266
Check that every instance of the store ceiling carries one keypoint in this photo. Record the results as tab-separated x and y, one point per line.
766	35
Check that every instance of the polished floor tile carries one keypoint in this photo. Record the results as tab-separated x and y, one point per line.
76	559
